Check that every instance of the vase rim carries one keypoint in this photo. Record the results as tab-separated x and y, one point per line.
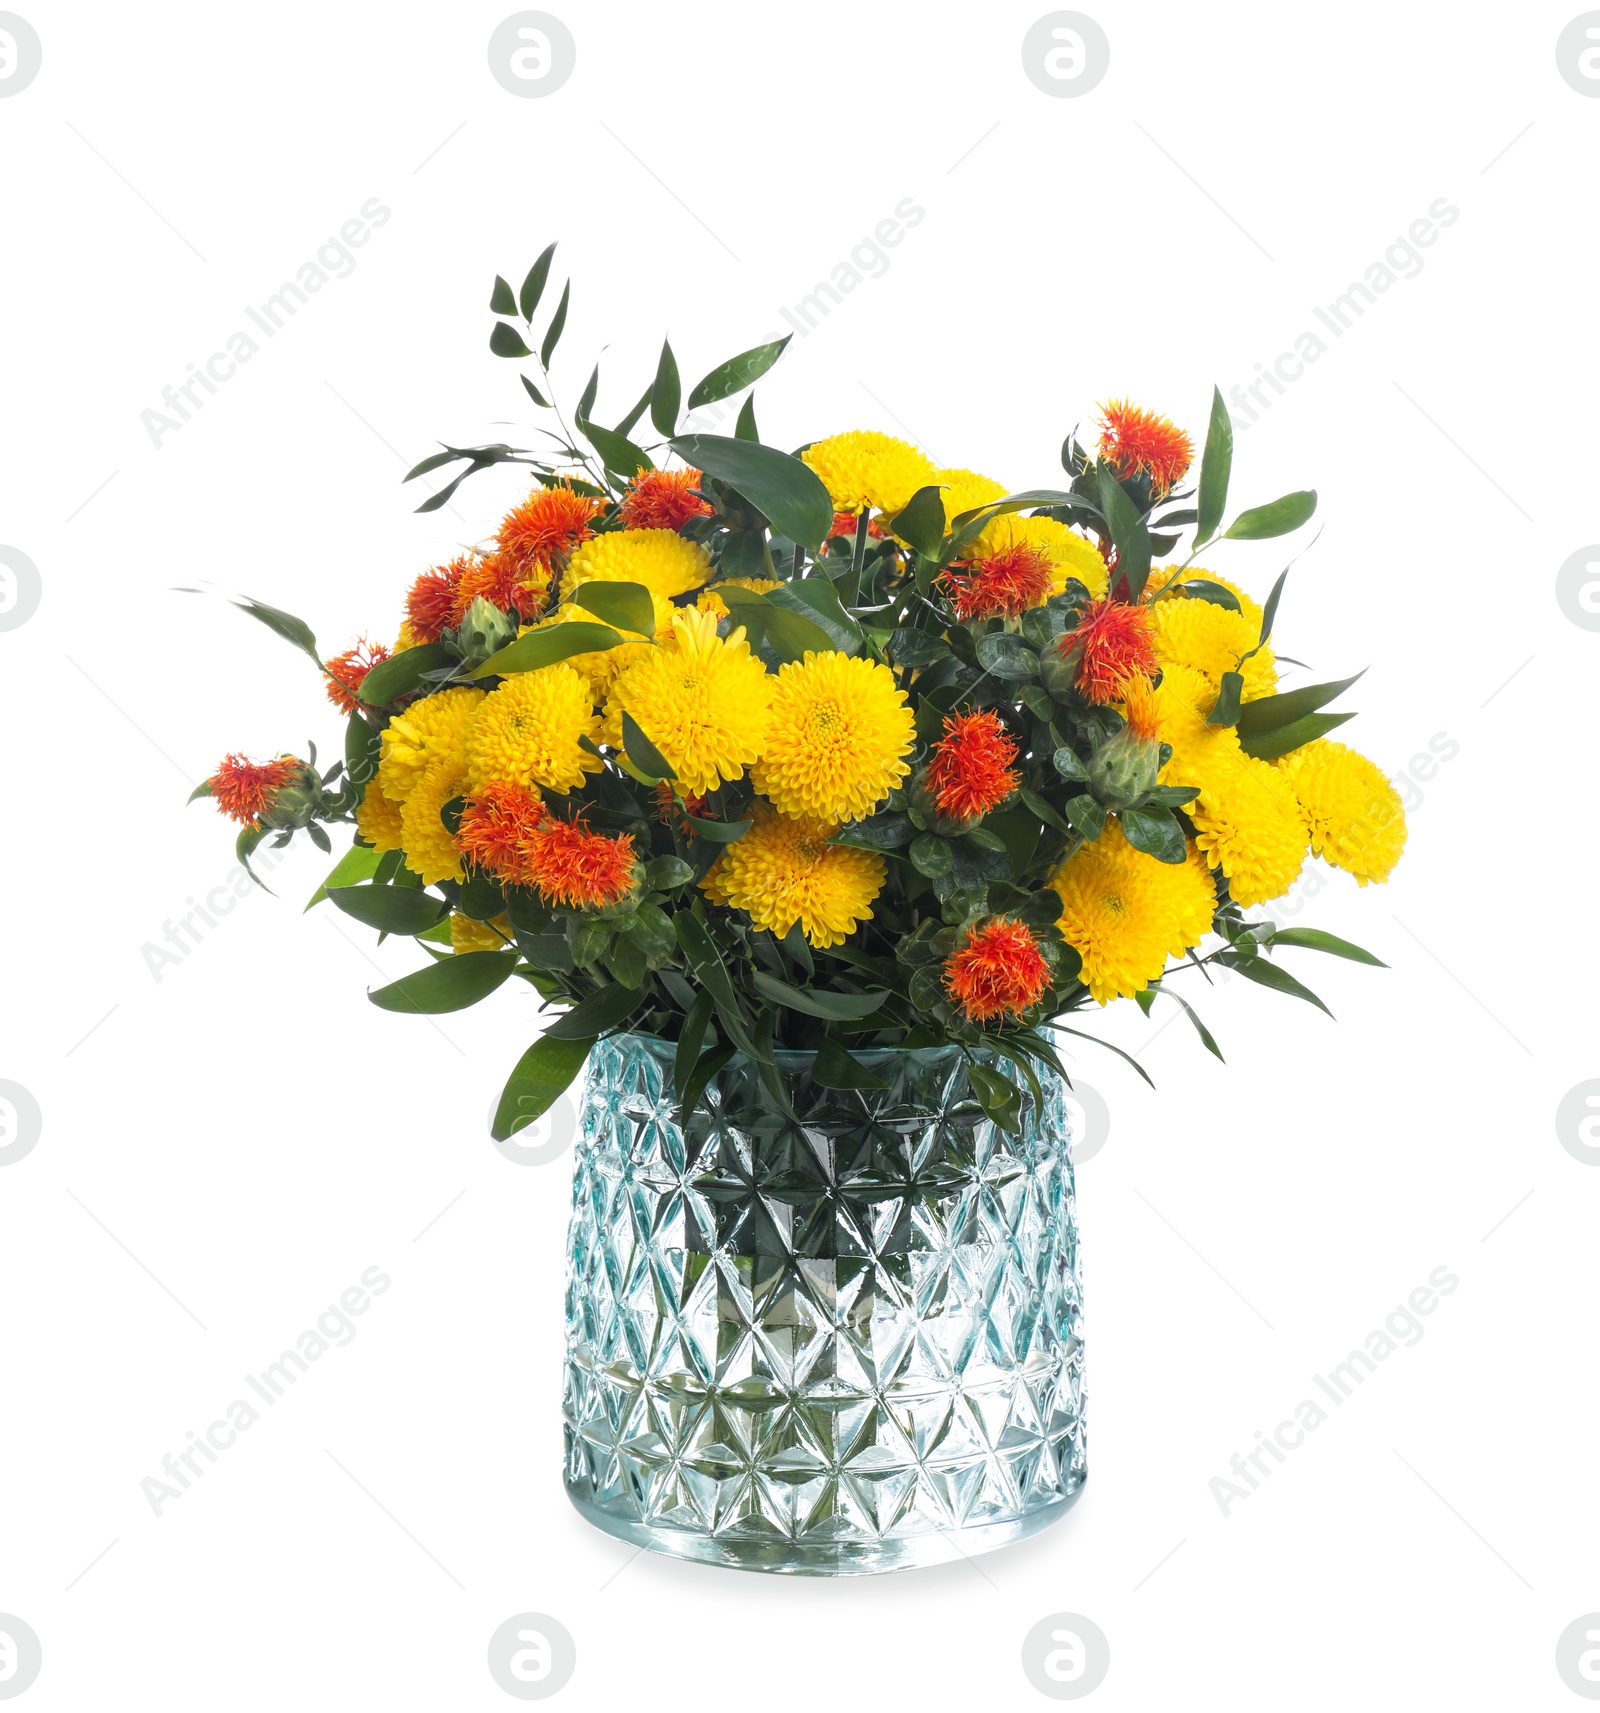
801	1056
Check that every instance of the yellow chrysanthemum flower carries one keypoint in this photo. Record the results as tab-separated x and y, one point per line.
965	491
527	731
466	935
665	562
428	729
1357	820
1246	822
864	469
1248	605
711	602
1256	834
1126	913
1212	639
702	701
1070	554
783	871
378	816
430	847
840	729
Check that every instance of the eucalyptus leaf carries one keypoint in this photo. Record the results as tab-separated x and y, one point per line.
452	984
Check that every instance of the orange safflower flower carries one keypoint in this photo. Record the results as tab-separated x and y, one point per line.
1135	441
431	602
244	789
577	868
1008	584
999	972
498	583
543	530
496	830
347	671
661	499
1113	647
970	771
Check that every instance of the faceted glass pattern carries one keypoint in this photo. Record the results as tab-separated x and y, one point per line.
851	1343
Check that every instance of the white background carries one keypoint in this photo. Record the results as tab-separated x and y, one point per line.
225	1149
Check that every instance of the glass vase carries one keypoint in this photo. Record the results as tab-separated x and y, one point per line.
846	1344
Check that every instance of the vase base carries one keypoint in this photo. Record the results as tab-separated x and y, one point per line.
844	1558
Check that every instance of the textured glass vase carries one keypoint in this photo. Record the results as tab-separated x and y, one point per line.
844	1345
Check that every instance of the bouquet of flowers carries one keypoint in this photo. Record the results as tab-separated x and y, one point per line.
753	750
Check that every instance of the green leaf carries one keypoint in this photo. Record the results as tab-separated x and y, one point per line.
1268	713
363	747
283	624
787	633
736	374
1110	1047
882	832
1225	710
1207	1038
1269	975
706	1067
617	451
506	341
541	1077
920	522
666	394
534	393
1271	746
1316	940
641	752
641	404
452	984
662	873
1005	656
695	1023
501	302
1261	523
358	863
745	428
545	647
203	789
1203	589
1216	463
402	673
244	848
718	832
701	951
597	1015
786	491
625	606
834	1067
816	599
1156	833
1086	815
931	855
967	526
1040	911
818	1002
1128	534
1269	613
1000	1100
533	285
393	909
558	321
1067	764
